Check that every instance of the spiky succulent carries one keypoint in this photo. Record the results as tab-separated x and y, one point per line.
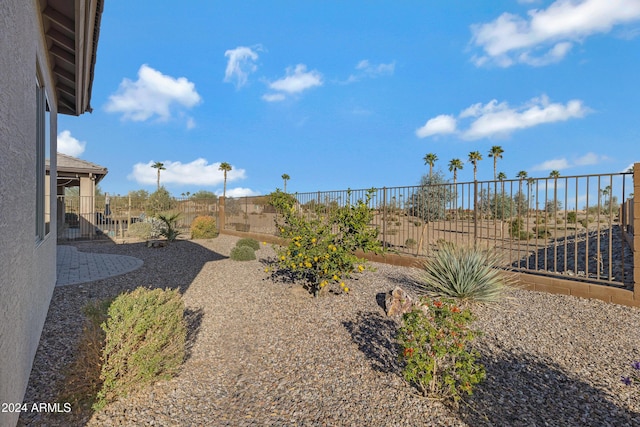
467	273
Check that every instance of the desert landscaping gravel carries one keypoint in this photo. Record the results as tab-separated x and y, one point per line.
265	353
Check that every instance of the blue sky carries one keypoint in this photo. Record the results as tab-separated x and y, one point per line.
354	94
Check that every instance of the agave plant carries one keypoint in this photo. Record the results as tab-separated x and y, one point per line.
466	273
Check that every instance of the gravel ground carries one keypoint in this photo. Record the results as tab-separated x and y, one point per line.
266	353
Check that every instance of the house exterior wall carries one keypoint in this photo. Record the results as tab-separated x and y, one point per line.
27	266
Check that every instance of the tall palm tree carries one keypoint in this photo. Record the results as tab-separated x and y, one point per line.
285	178
522	175
160	167
430	159
454	166
474	158
495	152
555	174
225	167
530	183
501	177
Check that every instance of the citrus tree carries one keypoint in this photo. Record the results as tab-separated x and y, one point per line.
322	244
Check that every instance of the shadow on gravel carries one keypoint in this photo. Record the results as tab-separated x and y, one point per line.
193	319
526	391
375	336
585	254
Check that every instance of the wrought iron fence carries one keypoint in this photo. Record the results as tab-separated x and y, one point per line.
571	226
86	217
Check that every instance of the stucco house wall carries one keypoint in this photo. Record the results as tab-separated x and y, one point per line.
27	263
27	267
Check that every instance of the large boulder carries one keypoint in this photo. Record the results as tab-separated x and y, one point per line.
397	302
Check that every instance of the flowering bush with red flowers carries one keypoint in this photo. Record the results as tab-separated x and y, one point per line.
435	342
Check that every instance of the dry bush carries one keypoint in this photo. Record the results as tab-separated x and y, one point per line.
204	227
82	378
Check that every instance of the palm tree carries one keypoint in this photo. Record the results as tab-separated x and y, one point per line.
474	158
285	178
430	159
522	175
495	152
530	182
555	174
160	167
454	166
502	176
225	167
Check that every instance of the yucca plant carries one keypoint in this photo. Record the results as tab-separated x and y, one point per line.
466	273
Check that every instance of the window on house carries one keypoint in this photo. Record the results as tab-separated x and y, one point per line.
43	149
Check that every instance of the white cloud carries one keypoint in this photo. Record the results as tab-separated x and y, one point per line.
499	119
238	192
587	159
69	145
241	63
554	164
628	168
153	94
439	125
191	123
297	80
197	172
367	69
547	35
273	97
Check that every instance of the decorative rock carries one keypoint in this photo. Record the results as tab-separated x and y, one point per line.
397	302
156	243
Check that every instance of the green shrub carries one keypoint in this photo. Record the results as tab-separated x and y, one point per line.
145	341
467	273
435	343
242	253
252	243
542	232
572	217
585	222
140	230
410	243
524	235
515	227
204	227
149	228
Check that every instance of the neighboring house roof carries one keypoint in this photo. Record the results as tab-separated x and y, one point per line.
72	167
72	30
